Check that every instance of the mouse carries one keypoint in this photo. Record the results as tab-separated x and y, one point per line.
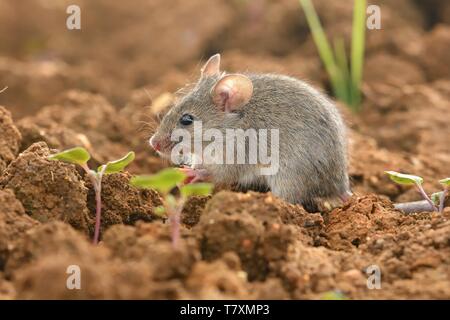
311	146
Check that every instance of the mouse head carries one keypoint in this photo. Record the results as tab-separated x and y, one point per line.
215	102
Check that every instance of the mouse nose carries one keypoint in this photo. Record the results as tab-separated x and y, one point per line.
155	144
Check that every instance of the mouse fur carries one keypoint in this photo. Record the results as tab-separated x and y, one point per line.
312	135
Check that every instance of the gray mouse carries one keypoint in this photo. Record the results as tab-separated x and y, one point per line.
312	135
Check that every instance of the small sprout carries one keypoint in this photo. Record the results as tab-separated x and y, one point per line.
81	156
117	165
445	182
196	189
436	199
164	182
406	179
76	155
4	89
333	295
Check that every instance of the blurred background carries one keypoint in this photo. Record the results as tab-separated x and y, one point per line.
104	88
126	45
133	54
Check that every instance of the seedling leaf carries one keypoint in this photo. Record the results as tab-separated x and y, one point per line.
164	181
160	211
196	189
76	155
406	179
436	197
117	165
445	182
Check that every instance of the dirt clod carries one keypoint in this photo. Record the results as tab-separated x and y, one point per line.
121	202
48	190
13	223
10	139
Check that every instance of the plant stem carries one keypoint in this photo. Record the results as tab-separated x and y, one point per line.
442	200
174	219
414	206
175	225
425	196
96	180
98	204
98	213
173	215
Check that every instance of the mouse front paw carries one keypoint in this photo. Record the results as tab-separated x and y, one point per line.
195	175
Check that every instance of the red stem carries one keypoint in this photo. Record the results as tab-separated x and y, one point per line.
413	207
96	180
425	196
98	212
174	219
175	224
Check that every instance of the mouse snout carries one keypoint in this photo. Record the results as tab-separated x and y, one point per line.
155	144
160	144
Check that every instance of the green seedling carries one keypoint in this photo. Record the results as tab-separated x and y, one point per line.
81	156
164	182
436	197
436	201
345	78
333	295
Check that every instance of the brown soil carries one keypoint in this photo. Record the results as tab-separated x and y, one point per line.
10	142
49	190
13	223
123	203
105	89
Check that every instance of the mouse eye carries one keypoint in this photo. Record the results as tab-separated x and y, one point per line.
186	119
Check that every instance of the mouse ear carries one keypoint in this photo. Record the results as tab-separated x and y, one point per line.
212	66
232	92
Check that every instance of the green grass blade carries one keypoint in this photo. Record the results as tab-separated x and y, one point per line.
342	63
321	41
357	53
